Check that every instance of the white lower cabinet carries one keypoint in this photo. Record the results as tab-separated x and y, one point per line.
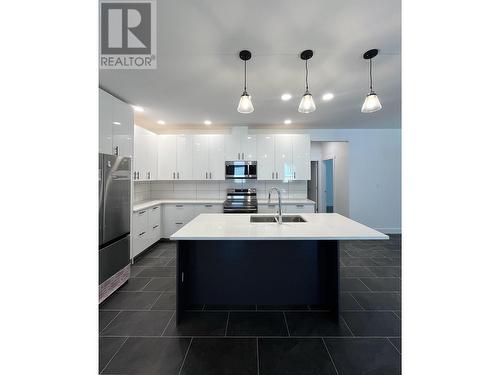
146	229
298	208
287	208
175	216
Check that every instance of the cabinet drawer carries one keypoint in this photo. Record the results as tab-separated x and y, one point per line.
140	223
299	208
140	242
154	216
178	213
208	208
155	233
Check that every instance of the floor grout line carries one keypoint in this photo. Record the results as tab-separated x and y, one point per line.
347	325
393	345
359	278
168	323
107	325
286	323
156	300
107	364
258	364
252	337
227	323
185	356
359	304
329	355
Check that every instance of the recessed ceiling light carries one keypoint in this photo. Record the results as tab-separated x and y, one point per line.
138	108
287	121
161	122
286	97
116	123
207	122
328	96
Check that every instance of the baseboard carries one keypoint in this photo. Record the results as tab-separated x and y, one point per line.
389	230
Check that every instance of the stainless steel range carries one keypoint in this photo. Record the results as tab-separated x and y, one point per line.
241	201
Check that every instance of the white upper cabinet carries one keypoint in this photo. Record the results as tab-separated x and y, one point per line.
249	147
216	157
116	126
123	129
184	157
265	157
240	145
283	157
145	154
175	157
201	164
167	157
232	147
105	120
152	155
208	157
301	146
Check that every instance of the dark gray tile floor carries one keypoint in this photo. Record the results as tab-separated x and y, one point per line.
138	334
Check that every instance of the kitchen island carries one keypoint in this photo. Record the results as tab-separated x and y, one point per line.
225	259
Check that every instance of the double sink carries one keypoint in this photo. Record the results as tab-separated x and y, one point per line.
274	219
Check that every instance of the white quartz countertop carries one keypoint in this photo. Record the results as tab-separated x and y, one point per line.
238	227
155	202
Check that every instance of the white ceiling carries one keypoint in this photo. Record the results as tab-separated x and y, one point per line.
200	76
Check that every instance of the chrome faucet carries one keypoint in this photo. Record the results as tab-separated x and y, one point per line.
280	220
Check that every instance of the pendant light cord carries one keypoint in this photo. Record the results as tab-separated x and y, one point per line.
245	89
307	74
371	79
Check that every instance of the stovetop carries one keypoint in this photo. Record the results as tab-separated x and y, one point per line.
241	201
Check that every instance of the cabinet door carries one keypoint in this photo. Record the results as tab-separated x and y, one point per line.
105	120
248	147
123	128
151	172
216	159
301	145
232	147
167	157
265	157
185	157
201	163
283	157
139	154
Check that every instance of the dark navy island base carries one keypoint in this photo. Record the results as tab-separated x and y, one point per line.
262	272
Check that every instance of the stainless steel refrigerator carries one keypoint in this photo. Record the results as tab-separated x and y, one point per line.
114	223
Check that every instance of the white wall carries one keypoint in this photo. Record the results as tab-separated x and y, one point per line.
374	174
339	151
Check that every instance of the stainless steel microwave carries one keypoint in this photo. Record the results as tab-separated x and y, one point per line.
240	169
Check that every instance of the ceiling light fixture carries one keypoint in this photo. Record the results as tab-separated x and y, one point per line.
161	122
286	97
116	123
138	108
328	96
307	103
372	103
245	105
287	121
207	122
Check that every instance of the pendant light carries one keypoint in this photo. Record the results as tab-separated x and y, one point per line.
372	103
245	105
307	102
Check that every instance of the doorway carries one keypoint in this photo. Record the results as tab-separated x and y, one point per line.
328	167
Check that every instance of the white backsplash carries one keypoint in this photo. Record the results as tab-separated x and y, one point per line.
213	189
